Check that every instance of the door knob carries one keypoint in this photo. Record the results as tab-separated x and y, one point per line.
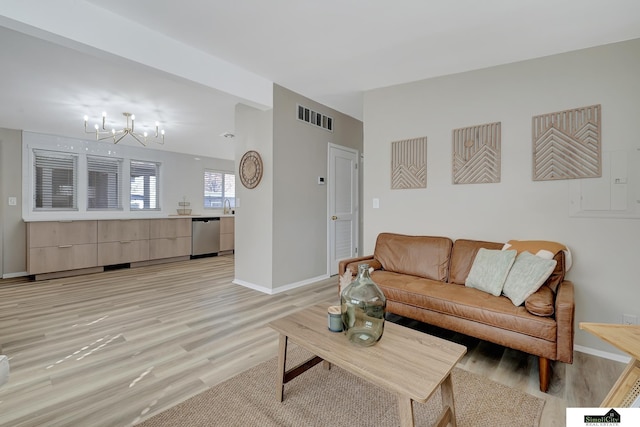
334	217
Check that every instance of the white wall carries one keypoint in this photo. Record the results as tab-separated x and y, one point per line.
605	250
12	229
254	207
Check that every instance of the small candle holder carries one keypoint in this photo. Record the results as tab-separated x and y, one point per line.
334	318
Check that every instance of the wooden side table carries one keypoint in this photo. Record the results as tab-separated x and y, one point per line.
627	338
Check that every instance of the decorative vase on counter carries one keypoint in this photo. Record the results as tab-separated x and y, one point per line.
362	306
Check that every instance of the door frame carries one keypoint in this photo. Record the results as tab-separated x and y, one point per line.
330	179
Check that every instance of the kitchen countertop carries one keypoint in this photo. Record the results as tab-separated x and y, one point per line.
202	216
58	217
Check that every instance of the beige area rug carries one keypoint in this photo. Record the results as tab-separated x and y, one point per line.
321	397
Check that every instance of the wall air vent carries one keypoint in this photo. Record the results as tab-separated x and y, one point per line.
314	118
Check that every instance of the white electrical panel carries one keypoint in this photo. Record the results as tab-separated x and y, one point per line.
614	195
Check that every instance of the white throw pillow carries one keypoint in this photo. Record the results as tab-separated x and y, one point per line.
489	270
527	274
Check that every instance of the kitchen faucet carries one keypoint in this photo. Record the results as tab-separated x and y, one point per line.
227	206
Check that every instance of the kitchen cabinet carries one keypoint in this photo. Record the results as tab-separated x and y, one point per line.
63	248
61	245
123	241
169	238
227	233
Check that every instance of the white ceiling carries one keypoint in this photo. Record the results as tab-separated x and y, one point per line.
187	63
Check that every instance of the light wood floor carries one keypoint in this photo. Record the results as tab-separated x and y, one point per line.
114	348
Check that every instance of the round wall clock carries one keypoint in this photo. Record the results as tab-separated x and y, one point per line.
250	169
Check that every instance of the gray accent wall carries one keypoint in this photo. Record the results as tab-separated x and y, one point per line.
281	225
606	250
300	205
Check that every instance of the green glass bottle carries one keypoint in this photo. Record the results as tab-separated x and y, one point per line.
362	306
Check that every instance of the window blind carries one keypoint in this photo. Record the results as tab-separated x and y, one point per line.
103	192
144	185
56	183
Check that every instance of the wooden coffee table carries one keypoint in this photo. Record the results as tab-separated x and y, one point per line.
408	363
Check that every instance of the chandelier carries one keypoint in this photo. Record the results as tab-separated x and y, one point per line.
129	129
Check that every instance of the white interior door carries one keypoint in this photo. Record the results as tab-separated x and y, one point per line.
343	205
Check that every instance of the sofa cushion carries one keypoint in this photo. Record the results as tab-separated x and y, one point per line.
557	276
526	276
422	256
541	302
464	302
462	255
354	266
490	269
546	249
542	248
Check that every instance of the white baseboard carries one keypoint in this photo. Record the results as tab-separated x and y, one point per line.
12	275
253	286
4	369
279	289
604	354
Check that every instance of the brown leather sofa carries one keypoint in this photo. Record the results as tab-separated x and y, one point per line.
423	279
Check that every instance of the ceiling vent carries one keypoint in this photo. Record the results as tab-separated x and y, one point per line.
314	118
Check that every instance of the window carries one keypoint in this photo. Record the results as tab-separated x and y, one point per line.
144	185
219	186
55	180
103	192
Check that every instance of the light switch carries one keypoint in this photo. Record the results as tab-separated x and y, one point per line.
13	201
376	203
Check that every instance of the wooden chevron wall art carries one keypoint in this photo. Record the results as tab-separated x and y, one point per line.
566	144
409	163
476	154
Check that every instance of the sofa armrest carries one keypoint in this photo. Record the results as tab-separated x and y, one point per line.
565	312
342	265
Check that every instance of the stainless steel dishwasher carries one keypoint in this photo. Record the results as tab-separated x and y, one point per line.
205	236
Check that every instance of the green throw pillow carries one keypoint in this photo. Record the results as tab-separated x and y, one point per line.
489	270
528	273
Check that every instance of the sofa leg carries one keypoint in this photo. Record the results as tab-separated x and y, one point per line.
544	368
